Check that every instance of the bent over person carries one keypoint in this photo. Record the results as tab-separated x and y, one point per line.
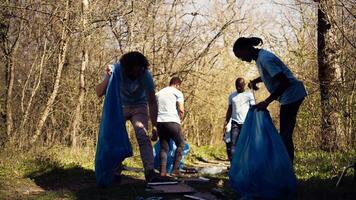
170	112
137	93
279	81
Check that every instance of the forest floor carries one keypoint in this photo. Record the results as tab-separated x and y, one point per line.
61	173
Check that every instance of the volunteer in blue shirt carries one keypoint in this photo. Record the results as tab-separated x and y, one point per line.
137	91
279	81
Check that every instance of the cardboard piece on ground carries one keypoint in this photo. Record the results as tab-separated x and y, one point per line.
196	179
201	196
172	189
162	183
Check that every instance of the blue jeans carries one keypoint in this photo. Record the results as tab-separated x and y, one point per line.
288	117
235	133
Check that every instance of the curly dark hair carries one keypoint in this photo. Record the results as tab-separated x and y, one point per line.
133	59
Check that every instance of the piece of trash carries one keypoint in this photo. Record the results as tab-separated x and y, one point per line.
202	196
172	189
189	170
149	198
193	197
212	170
162	183
154	198
203	178
196	180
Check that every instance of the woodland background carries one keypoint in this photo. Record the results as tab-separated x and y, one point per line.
53	53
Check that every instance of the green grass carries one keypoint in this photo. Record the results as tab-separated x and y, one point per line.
62	173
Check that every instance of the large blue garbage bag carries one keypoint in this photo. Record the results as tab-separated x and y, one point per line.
113	143
170	155
261	166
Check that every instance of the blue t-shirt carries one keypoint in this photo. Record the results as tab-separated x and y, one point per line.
134	92
268	66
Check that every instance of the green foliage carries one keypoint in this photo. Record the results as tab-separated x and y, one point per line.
63	173
322	165
206	153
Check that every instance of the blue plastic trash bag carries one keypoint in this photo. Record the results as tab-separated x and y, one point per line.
113	143
261	166
170	155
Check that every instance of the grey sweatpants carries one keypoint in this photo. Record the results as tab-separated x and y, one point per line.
138	115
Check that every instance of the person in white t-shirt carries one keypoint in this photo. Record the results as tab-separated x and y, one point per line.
279	81
240	102
170	113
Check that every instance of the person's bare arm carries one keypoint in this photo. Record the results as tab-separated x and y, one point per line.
283	85
153	109
101	87
152	103
253	83
227	117
180	106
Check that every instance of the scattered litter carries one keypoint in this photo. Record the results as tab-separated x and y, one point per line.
162	183
201	196
193	197
172	189
189	170
212	170
196	180
149	198
203	179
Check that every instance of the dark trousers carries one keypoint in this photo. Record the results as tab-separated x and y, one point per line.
235	133
288	117
167	131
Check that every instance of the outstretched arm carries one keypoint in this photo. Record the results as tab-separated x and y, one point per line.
283	85
253	83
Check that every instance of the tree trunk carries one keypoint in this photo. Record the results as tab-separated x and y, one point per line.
61	60
85	60
327	79
10	52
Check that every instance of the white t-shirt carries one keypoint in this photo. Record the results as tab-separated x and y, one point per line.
240	103
268	66
167	99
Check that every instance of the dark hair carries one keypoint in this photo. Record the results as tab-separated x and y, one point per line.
244	43
132	59
175	81
239	80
